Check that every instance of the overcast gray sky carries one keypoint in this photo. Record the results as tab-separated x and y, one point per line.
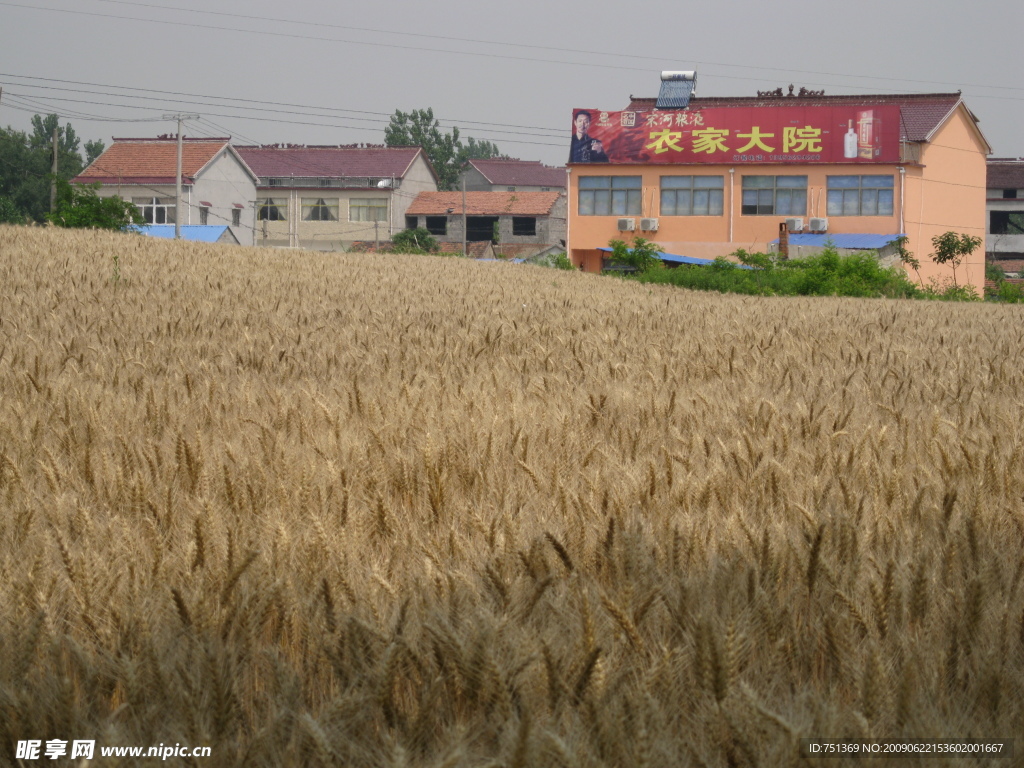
314	72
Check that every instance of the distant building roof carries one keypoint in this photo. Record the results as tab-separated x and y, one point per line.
197	233
520	173
281	161
854	241
484	203
922	113
1005	173
151	161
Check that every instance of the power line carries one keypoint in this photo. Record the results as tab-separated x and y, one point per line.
492	55
258	104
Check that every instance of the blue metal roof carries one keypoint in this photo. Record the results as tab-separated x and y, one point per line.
200	233
673	258
864	242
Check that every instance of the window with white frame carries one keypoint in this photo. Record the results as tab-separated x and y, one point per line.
319	209
156	210
774	196
609	196
272	209
860	195
368	209
692	195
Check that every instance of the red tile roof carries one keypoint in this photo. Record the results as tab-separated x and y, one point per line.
520	173
921	112
151	161
1005	173
484	203
329	162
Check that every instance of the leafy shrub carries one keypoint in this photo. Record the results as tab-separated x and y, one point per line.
947	290
417	240
827	274
81	207
561	261
994	272
1011	293
642	255
10	213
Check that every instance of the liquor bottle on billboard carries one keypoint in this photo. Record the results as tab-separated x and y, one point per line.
850	143
867	131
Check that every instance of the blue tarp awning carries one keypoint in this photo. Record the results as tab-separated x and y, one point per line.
864	242
672	258
200	233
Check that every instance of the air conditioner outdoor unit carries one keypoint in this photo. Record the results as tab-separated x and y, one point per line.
649	225
819	225
795	225
627	225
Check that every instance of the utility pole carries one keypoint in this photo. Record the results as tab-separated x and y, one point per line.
376	231
177	199
54	166
465	231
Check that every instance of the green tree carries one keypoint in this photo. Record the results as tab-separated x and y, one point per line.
93	149
951	248
642	255
81	207
26	163
446	152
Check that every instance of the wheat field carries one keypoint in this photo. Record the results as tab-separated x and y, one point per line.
345	510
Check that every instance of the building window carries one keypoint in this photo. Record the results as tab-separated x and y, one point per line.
774	195
412	222
271	209
1006	222
319	209
692	195
481	228
437	225
1009	194
236	217
860	195
368	209
524	226
609	196
156	210
204	215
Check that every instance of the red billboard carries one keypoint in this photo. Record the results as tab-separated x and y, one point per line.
785	134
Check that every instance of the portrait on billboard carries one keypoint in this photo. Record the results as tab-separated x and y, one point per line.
585	148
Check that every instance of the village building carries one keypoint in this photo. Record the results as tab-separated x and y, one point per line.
706	176
1004	237
217	186
511	175
329	197
505	218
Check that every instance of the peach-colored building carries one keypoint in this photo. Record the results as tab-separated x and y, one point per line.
723	173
